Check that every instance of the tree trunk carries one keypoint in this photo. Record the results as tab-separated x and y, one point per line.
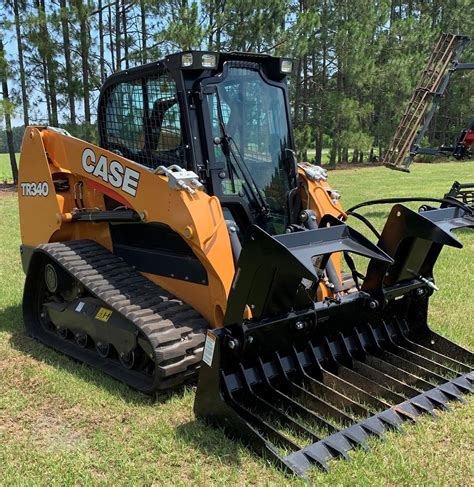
143	25
46	90
118	53
101	43
355	156
345	154
111	39
8	122
125	35
49	68
67	59
305	101
21	64
84	47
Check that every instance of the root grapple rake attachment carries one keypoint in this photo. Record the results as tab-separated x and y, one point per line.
305	386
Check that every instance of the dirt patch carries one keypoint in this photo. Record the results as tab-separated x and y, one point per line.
7	189
49	426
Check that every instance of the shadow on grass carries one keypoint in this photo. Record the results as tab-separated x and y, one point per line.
208	440
211	441
11	322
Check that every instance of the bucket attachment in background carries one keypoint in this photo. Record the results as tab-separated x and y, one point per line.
304	382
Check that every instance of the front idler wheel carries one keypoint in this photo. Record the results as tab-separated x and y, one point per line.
51	278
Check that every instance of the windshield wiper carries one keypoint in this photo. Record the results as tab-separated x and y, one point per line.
233	150
225	141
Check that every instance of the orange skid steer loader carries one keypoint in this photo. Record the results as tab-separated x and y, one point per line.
191	232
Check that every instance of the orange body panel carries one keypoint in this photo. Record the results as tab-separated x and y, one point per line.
197	218
317	197
45	216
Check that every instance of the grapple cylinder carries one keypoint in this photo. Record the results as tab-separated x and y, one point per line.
304	382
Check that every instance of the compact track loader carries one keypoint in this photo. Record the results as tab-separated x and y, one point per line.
191	232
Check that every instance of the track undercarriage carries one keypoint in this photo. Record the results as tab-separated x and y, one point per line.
89	304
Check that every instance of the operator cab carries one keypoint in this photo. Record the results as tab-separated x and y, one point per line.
224	116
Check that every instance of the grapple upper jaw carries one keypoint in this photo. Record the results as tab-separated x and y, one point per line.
270	269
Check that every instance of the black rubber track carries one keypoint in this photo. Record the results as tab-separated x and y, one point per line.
174	329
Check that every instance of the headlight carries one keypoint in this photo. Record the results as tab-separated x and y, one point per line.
209	61
286	66
186	60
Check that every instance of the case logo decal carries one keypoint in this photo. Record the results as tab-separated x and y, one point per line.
35	189
111	172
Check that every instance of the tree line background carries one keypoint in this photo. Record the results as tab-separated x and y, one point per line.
357	61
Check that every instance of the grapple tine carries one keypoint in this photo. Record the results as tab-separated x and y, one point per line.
267	407
345	387
416	358
291	404
326	409
440	344
331	395
261	424
429	353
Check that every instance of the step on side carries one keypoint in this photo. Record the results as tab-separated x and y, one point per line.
173	330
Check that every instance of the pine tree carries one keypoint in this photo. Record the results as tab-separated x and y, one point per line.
7	108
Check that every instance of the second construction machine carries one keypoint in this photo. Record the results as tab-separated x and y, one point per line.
191	232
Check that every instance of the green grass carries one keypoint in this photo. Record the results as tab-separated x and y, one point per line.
5	168
62	423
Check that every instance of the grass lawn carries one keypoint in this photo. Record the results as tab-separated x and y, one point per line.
5	168
62	423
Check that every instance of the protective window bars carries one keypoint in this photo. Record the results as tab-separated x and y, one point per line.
142	121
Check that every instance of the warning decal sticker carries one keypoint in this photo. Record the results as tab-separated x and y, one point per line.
103	314
209	348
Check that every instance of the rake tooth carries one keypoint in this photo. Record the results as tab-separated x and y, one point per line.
392	418
317	454
429	353
320	388
282	415
454	392
416	358
465	382
373	426
322	406
357	436
345	387
411	415
270	432
337	446
439	344
438	399
293	405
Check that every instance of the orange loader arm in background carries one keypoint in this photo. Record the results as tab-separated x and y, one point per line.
50	155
